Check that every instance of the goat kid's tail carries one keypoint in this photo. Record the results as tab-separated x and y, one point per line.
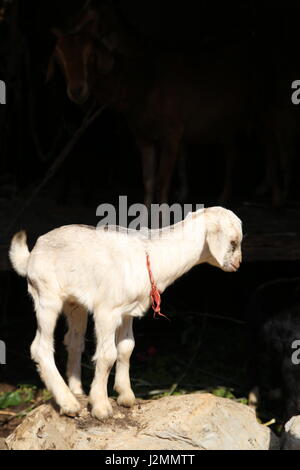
19	253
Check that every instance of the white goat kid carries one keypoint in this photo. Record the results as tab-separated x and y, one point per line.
75	269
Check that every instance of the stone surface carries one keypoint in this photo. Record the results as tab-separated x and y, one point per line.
2	444
183	422
291	436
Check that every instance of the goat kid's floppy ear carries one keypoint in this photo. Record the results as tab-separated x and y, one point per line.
217	243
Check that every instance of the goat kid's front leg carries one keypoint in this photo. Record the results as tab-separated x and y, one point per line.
106	324
125	346
74	341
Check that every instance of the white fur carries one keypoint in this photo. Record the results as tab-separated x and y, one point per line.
77	268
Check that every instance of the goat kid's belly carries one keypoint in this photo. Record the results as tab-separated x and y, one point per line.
129	299
136	308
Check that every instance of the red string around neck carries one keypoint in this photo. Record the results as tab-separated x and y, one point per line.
154	293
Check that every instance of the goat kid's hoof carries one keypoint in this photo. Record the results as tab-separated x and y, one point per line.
71	409
102	412
126	399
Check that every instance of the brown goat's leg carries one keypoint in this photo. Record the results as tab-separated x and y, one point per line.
148	165
169	155
230	159
183	184
287	156
272	170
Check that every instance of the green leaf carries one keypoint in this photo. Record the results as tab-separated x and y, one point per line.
10	399
222	392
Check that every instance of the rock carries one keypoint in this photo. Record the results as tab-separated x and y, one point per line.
2	444
183	422
291	436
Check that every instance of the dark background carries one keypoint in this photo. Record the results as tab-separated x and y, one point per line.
205	344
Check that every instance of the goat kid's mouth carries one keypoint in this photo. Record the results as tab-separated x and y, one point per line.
230	268
234	267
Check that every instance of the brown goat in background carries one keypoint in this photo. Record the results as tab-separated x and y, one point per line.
165	97
169	98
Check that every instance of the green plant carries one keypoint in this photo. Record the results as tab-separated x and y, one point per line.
23	394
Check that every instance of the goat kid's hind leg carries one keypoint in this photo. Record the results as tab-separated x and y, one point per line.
106	324
42	352
125	346
74	341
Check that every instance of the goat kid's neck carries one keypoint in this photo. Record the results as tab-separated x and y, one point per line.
178	250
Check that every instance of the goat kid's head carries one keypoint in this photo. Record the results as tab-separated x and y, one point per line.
224	238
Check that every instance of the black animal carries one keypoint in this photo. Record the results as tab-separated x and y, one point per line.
273	315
